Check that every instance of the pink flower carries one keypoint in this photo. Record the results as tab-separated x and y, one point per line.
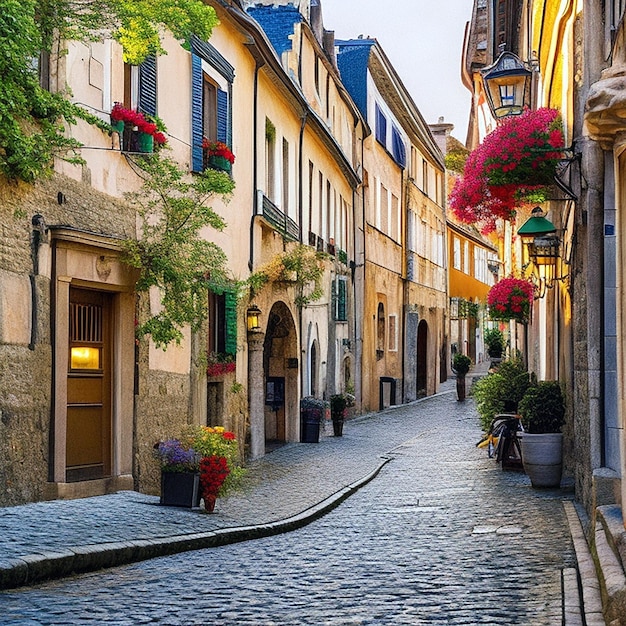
510	162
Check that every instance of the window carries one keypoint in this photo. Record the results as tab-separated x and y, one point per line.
223	322
393	333
211	98
384	210
317	75
466	257
285	206
381	127
394	229
425	176
341	309
140	86
209	109
380	332
311	174
456	253
270	159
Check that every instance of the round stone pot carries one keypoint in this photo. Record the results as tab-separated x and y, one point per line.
542	456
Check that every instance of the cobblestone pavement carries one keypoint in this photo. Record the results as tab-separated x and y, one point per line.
441	536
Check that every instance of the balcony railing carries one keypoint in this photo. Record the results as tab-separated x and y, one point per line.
276	218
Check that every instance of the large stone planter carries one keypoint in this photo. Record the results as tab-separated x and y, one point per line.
542	456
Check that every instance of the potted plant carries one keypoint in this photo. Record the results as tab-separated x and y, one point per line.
500	391
203	463
139	133
542	410
494	340
460	366
339	404
180	477
217	155
220	467
220	363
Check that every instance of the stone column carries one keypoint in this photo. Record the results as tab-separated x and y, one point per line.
256	393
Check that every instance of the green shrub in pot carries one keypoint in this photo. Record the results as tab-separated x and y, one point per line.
542	408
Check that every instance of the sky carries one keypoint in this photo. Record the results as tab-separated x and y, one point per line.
423	39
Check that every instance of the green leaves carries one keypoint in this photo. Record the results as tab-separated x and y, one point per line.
32	120
171	255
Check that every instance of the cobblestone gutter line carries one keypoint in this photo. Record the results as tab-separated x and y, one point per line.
591	598
35	568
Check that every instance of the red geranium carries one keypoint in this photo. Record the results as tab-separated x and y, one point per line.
137	120
214	471
217	148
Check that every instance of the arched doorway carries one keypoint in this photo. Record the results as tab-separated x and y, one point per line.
422	359
280	369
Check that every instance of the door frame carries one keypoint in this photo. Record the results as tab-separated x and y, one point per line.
92	261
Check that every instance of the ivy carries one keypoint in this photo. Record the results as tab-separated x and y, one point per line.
302	266
170	254
32	120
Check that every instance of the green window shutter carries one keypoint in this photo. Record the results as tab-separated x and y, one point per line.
341	300
231	322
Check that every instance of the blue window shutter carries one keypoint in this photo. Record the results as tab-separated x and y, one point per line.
196	113
230	305
222	116
381	127
148	86
398	148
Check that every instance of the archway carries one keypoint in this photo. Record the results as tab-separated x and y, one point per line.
280	369
422	359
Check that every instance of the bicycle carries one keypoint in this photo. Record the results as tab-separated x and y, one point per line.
502	441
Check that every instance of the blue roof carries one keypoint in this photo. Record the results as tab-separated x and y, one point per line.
352	61
278	24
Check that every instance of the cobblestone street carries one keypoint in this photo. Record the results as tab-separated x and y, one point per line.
440	536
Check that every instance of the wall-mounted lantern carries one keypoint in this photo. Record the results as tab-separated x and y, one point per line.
543	244
253	318
507	84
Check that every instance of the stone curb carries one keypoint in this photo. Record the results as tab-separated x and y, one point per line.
35	568
591	597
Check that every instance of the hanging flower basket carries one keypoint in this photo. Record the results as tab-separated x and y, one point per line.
511	168
510	298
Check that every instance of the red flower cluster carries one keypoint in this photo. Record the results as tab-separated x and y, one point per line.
515	161
213	472
510	298
217	148
137	119
217	369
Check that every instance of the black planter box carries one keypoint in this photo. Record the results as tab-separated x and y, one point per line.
180	489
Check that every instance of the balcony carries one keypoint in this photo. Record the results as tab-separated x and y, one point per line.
276	218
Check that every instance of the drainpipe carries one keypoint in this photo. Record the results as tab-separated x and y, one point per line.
255	168
303	121
38	236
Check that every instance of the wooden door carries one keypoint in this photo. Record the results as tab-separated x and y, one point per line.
88	445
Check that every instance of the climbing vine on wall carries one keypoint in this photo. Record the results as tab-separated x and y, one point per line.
170	254
33	120
301	266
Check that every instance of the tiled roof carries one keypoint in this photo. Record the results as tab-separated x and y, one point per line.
352	61
278	24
